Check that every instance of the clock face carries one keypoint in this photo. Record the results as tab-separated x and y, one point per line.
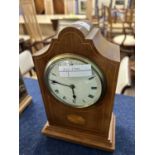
80	90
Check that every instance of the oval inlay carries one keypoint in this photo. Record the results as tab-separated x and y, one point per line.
76	119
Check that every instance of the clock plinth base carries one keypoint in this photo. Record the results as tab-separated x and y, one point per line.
96	141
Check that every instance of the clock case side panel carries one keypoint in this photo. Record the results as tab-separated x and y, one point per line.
71	40
111	57
40	59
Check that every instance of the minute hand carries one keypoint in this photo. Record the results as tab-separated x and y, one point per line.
53	81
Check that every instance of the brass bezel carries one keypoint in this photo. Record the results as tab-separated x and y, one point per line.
83	59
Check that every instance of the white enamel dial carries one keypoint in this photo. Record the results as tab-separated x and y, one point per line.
75	91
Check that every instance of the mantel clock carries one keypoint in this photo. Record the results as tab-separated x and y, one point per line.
77	75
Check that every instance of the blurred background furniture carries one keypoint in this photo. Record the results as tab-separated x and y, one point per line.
65	11
26	64
24	43
119	4
24	98
119	28
124	78
48	4
38	41
127	39
40	6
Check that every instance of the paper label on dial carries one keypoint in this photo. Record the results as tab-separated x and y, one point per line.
75	71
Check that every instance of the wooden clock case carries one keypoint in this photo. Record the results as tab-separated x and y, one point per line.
93	126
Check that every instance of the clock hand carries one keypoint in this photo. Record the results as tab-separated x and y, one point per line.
70	86
74	96
56	82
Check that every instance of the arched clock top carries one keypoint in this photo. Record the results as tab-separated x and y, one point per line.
83	26
81	36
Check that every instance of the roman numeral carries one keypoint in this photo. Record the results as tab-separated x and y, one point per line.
54	74
64	97
84	101
91	77
57	91
90	96
93	87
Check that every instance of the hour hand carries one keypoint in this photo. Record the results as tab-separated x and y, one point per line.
74	96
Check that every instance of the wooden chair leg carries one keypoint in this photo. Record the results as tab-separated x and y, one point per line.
31	73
